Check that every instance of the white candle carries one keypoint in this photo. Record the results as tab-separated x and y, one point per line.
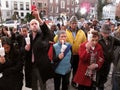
63	46
2	51
27	39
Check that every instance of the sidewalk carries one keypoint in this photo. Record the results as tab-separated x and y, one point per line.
108	85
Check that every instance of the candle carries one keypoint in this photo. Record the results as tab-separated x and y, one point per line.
2	51
63	46
27	39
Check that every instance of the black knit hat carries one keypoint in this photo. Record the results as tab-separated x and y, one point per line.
105	28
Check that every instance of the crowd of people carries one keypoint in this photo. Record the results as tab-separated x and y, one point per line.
81	50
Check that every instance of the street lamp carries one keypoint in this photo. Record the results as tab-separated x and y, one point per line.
83	10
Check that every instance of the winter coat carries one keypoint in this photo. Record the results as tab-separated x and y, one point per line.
75	42
12	78
40	47
84	62
64	65
108	51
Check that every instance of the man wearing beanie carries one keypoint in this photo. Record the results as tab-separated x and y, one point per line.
108	43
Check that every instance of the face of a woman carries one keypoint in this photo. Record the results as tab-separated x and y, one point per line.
7	48
5	31
94	41
62	37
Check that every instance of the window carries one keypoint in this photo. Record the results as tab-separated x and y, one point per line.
56	9
62	4
33	3
27	5
22	14
0	3
15	5
51	1
72	10
39	5
21	6
45	4
8	13
51	9
68	2
56	1
72	2
7	4
68	10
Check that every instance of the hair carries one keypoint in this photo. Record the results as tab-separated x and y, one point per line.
34	20
61	32
94	33
6	40
5	27
24	26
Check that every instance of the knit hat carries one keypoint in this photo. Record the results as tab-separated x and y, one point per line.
105	28
73	19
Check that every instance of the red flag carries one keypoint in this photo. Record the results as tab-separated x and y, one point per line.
33	7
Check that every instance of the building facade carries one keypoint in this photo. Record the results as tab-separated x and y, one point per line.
42	6
12	9
61	8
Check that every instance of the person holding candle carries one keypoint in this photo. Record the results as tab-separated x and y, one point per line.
62	61
11	66
38	68
91	60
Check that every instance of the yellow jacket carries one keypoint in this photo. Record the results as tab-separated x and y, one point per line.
75	42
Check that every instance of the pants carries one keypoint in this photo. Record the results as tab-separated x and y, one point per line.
75	61
37	83
116	82
81	87
65	81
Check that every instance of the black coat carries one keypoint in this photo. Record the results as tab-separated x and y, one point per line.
12	78
108	51
40	47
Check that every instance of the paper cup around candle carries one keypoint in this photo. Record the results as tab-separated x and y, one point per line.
2	51
90	37
63	48
27	39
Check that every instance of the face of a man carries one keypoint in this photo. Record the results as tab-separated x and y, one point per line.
73	25
105	35
34	26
